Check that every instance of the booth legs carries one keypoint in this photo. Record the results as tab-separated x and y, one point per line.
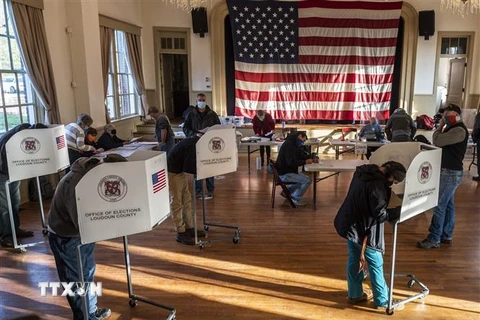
134	298
16	245
40	201
391	305
207	225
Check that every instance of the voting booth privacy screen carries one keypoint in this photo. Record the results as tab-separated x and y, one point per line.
123	198
37	152
217	152
423	164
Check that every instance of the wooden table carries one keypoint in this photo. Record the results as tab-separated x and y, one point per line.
335	166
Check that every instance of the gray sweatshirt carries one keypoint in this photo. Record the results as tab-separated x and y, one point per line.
63	217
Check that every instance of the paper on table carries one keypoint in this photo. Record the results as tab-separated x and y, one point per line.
136	139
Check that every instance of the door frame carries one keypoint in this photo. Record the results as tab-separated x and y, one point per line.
469	56
157	48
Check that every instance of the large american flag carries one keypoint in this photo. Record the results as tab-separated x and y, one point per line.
314	59
159	181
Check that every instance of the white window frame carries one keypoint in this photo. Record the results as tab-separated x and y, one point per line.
114	100
23	105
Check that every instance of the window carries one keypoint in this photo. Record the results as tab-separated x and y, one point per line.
122	99
454	46
17	98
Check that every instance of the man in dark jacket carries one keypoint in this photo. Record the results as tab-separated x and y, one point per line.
452	137
476	139
290	157
200	118
109	140
182	159
14	188
400	127
360	220
64	237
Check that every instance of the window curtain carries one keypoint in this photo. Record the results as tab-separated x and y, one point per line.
29	29
106	36
134	55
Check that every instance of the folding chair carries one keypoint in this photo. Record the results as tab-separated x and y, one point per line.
277	182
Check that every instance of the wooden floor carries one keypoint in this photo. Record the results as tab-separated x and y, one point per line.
289	264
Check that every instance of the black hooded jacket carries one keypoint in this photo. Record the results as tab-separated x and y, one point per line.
364	207
290	156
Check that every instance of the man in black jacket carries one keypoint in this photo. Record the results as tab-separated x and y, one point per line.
360	220
452	137
182	159
109	140
198	119
400	127
14	188
290	157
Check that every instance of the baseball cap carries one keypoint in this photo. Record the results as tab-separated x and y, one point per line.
454	107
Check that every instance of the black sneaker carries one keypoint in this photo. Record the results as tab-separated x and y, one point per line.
184	238
446	241
6	242
191	233
209	196
477	178
198	196
427	244
102	313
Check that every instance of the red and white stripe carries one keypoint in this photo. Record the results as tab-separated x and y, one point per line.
346	61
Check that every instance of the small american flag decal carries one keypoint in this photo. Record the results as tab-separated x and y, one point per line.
159	181
60	140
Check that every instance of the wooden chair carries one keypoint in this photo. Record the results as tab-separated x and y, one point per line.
277	182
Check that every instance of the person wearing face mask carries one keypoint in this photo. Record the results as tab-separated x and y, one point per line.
290	157
75	134
109	140
198	119
263	126
360	220
452	136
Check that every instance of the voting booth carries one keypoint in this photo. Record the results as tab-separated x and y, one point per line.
217	154
420	193
32	153
124	198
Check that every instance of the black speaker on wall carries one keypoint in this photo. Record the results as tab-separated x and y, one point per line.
426	23
199	21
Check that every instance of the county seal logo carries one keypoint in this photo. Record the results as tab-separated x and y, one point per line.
112	188
30	145
216	145
424	172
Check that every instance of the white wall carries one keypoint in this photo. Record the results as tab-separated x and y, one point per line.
124	10
157	14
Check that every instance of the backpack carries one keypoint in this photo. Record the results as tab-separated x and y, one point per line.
45	188
425	122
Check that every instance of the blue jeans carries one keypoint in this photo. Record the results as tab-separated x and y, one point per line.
14	187
443	219
374	260
298	189
210	185
65	253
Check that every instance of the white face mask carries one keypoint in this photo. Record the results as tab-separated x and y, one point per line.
201	104
261	117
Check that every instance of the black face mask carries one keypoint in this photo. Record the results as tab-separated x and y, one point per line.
114	132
